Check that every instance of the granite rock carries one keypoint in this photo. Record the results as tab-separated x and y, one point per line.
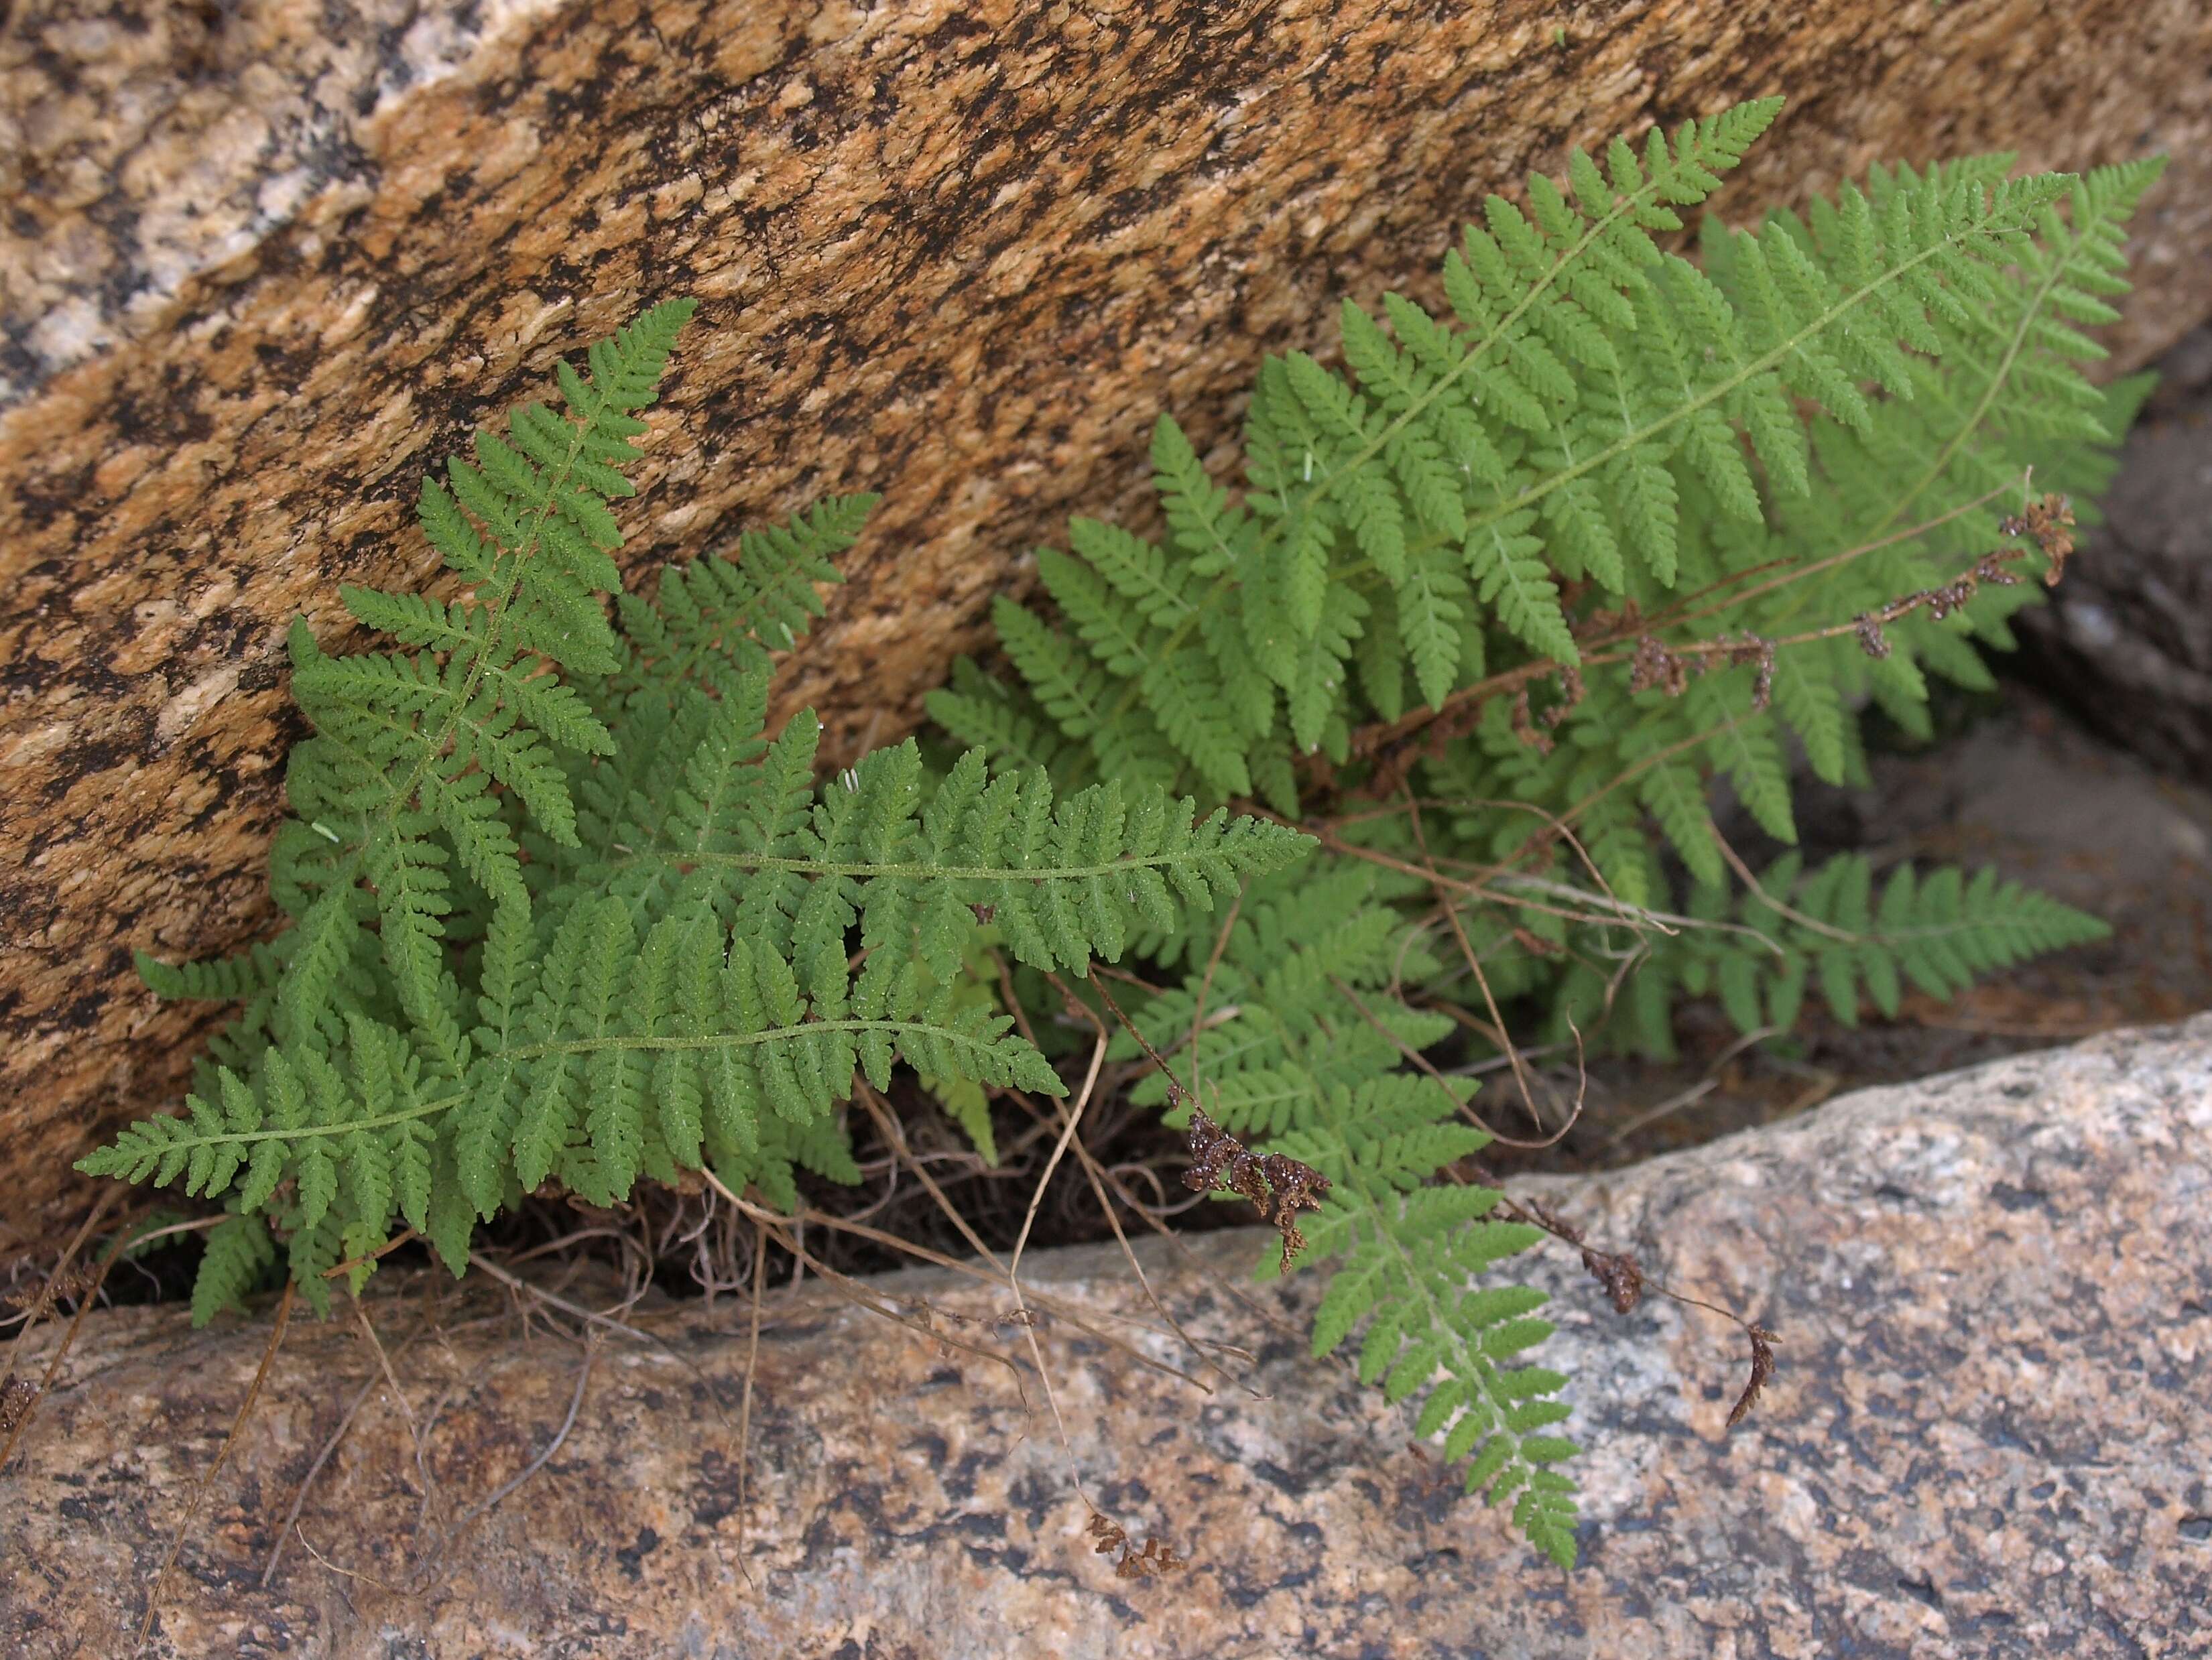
1987	1438
264	261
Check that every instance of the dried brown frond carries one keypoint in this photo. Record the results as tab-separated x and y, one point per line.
16	1395
1278	1185
1758	654
1154	1558
1652	665
67	1285
1525	728
1620	1274
2048	521
1762	1368
1571	693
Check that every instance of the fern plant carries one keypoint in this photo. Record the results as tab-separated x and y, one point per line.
563	912
1532	577
1540	575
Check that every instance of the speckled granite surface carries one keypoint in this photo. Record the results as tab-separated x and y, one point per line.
144	147
261	261
1987	1441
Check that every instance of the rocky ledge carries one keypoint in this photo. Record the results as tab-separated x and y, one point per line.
1993	1289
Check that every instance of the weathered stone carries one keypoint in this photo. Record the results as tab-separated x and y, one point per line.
264	263
1993	1292
2127	640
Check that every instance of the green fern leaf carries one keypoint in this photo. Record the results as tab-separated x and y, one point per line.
239	1252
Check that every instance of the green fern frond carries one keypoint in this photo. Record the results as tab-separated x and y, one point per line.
1307	1064
404	740
664	982
224	979
239	1253
1436	508
719	619
1824	927
1506	492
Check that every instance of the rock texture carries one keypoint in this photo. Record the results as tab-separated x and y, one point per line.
1987	1438
2128	637
262	263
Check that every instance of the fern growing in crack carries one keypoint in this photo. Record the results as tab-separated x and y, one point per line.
564	912
1538	575
1622	531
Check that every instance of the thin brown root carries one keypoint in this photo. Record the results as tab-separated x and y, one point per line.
745	1405
206	1482
1014	1268
1181	1246
415	1434
782	1230
1205	984
485	1506
1092	1173
1058	1306
438	1560
515	1283
308	1482
895	1137
344	1571
1090	1166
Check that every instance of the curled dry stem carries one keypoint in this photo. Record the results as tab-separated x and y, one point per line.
1625	1280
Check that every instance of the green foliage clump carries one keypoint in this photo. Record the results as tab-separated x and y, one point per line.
562	911
1534	577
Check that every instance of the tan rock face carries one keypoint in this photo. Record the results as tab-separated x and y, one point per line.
262	265
1993	1291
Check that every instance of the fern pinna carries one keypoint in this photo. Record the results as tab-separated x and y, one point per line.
562	911
1502	602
